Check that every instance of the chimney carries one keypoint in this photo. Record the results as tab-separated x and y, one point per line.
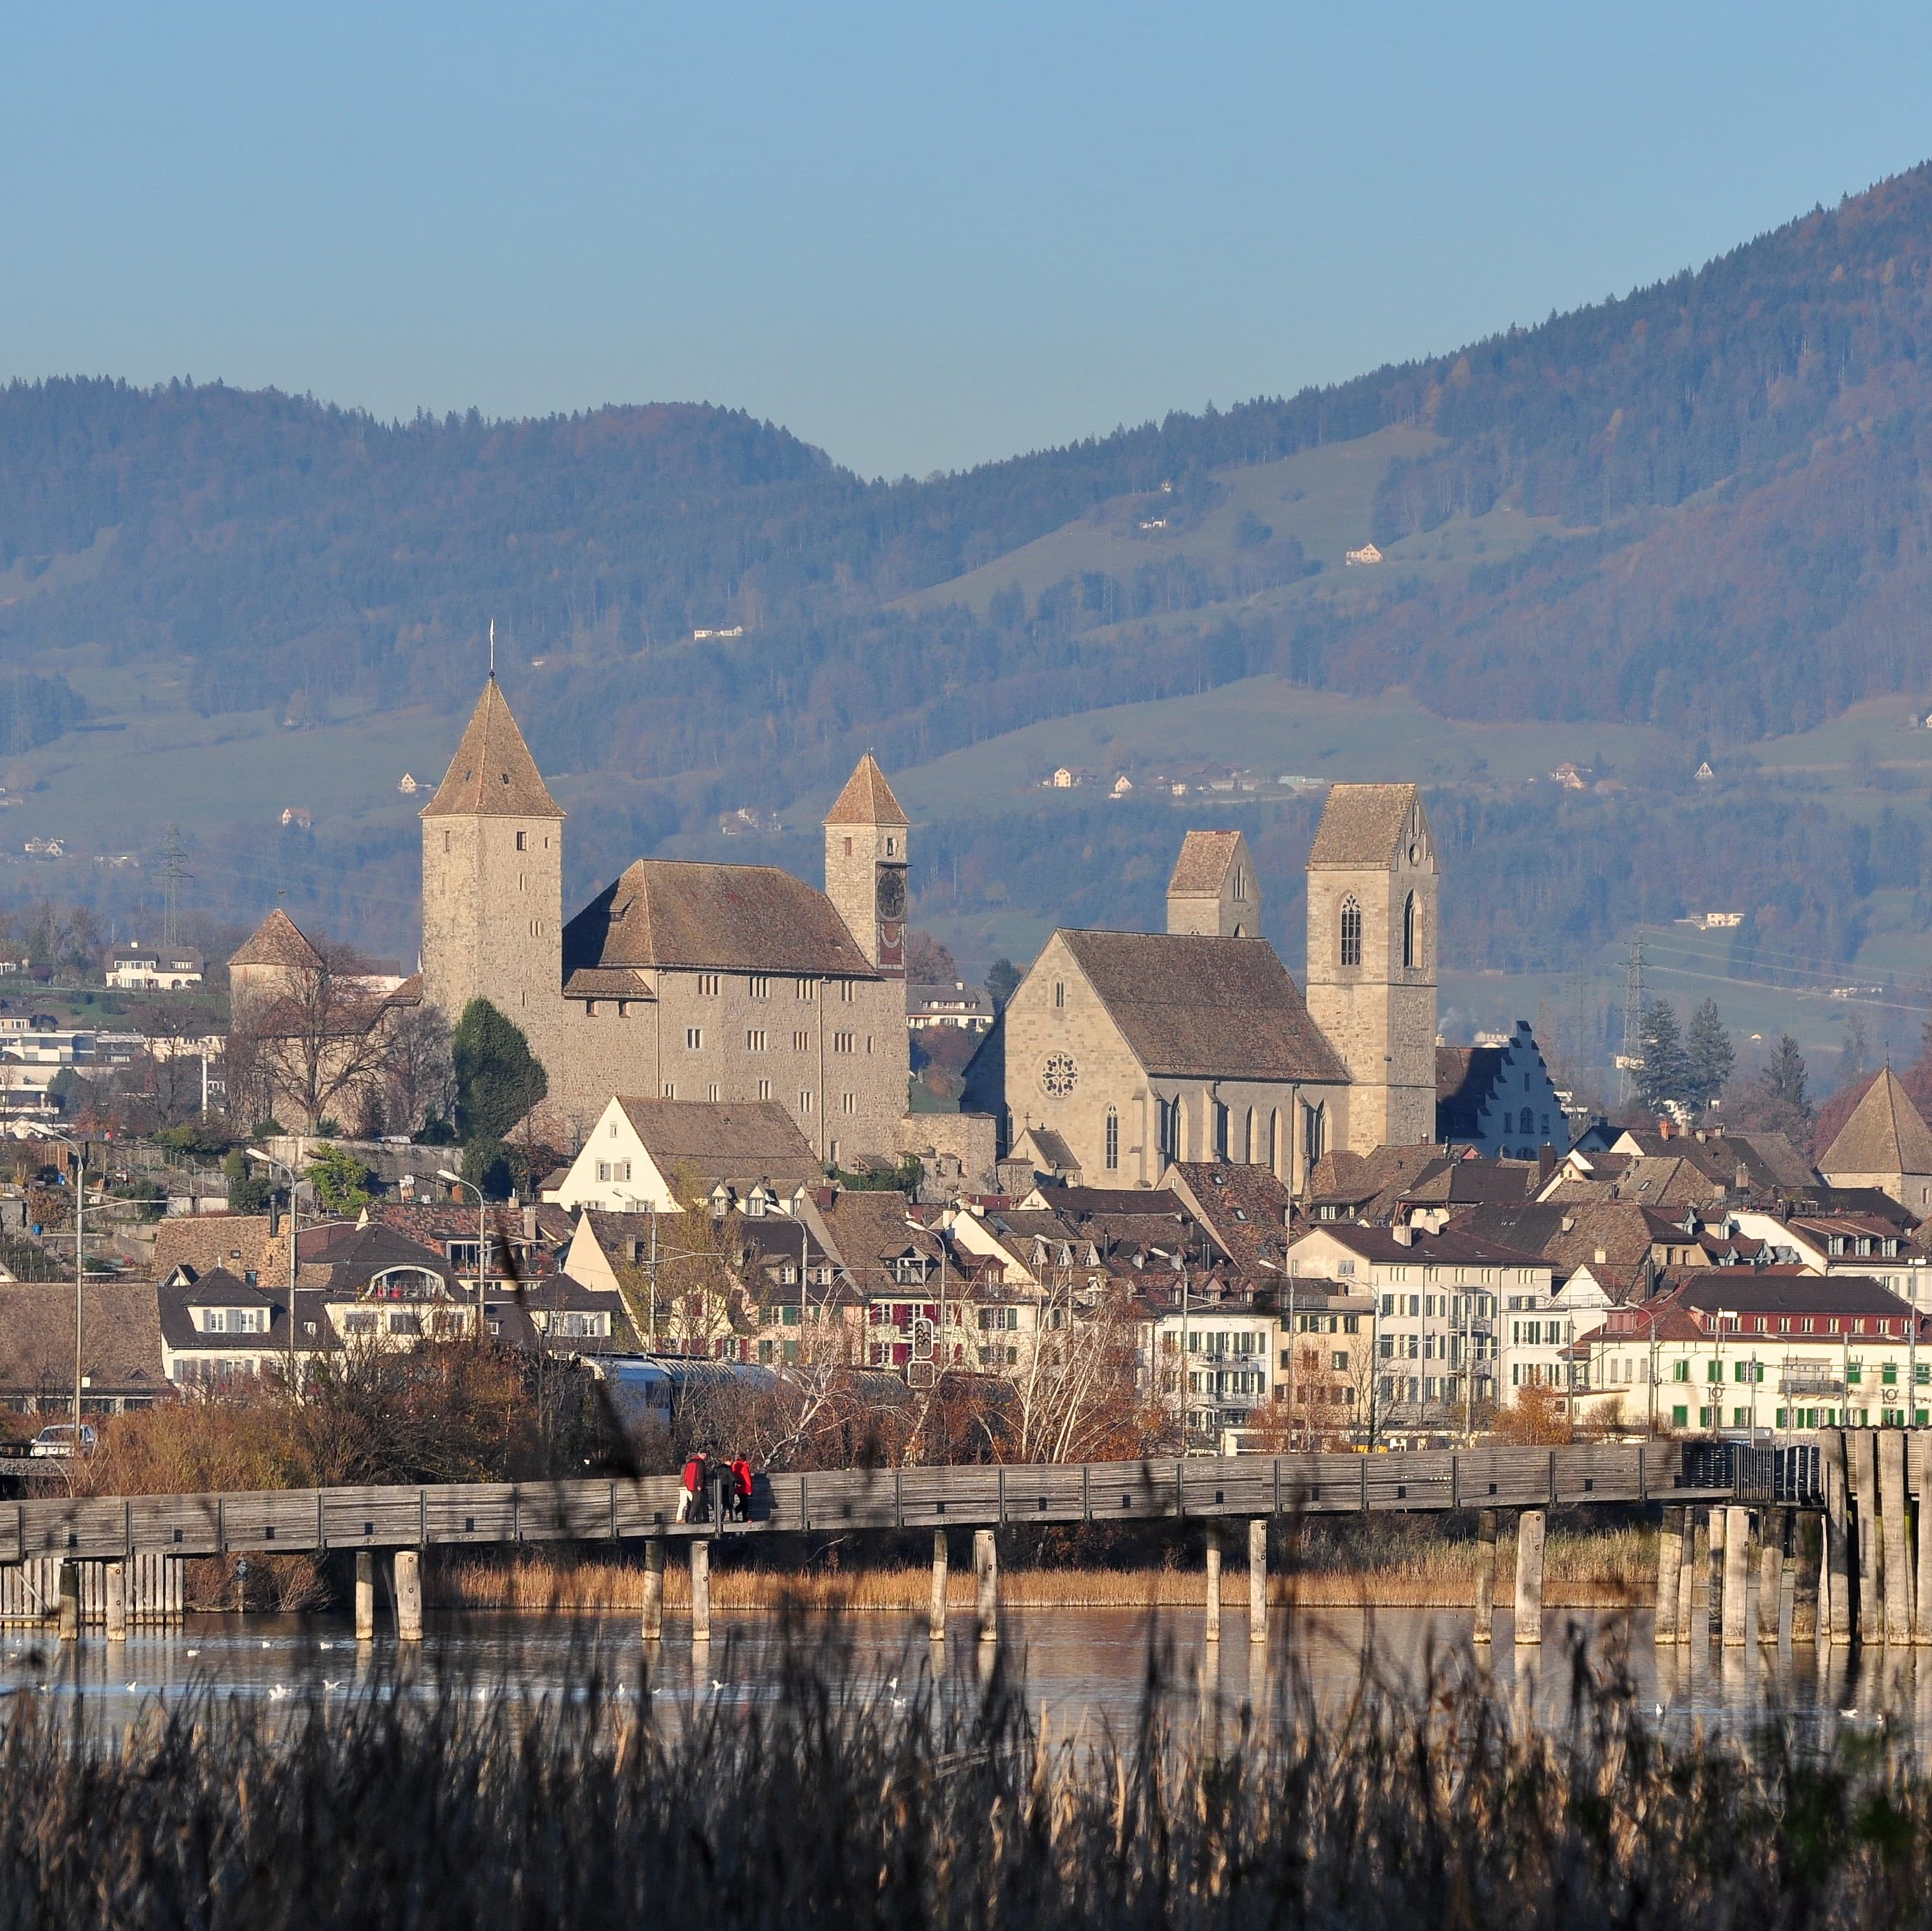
529	1223
1602	1255
1404	1236
1665	1127
1546	1163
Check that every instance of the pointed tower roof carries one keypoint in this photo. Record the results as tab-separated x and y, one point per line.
277	941
1202	867
1886	1133
867	798
493	775
1363	825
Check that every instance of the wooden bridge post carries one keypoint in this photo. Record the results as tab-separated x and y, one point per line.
700	1588
1214	1631
1835	1576
1530	1526
1485	1576
1918	1479
1669	1561
1691	1553
986	1577
406	1582
116	1580
1257	1565
1737	1576
1893	1529
1803	1574
935	1621
365	1595
70	1603
1714	1576
1863	1451
1773	1527
654	1579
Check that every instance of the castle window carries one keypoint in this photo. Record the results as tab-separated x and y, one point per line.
805	1101
891	847
711	1091
623	1008
693	1039
808	989
758	987
671	1088
1113	1140
848	1103
755	1039
841	1042
848	848
848	990
1411	935
1240	885
590	1008
523	841
1351	932
707	985
448	840
764	1089
801	1042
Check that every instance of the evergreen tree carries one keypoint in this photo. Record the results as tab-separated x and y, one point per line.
1002	981
498	1078
491	1167
1854	1055
1711	1056
1666	1067
1782	1081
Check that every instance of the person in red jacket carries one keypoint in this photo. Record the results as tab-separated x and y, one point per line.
741	1488
690	1494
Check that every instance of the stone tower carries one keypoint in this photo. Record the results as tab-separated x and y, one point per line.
866	866
1214	891
493	877
1373	900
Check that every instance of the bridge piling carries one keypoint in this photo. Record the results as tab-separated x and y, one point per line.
405	1584
1213	1630
652	1620
1835	1571
986	1578
116	1582
1862	1450
1737	1576
1714	1576
1894	1535
700	1589
365	1595
1771	1567
1485	1576
1258	1573
935	1621
1669	1561
1691	1554
1530	1528
1918	1477
69	1624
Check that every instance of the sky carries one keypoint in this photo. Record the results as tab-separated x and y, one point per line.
920	236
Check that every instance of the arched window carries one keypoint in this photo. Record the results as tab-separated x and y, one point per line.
1168	1123
1314	1133
1248	1138
1220	1131
1351	932
1274	1138
1113	1140
1411	934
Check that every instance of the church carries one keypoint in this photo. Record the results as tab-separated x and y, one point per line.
679	980
1132	1050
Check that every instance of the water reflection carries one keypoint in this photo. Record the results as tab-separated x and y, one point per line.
1082	1665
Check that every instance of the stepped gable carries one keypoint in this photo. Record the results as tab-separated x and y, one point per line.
1204	1007
1886	1133
1362	825
867	798
493	775
277	941
730	918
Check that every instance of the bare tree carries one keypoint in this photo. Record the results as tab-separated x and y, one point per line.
323	1037
420	1077
1076	1393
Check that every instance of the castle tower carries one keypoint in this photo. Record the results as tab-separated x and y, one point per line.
1214	891
493	877
1373	902
866	866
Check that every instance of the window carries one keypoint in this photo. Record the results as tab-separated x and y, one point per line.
848	1103
1351	932
1524	1122
1113	1140
707	985
693	1039
758	987
1060	992
848	848
1411	935
523	841
755	1039
807	989
801	1042
848	990
1314	1133
1167	1127
1220	1131
1271	1130
711	1091
405	1322
764	1089
804	1099
841	1042
671	1088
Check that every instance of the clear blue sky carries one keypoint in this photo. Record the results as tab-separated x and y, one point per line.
919	235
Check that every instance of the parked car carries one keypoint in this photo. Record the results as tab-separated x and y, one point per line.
58	1440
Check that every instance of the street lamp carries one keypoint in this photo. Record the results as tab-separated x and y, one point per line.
482	1237
78	1150
295	1237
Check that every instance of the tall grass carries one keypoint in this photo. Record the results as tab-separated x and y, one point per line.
827	1804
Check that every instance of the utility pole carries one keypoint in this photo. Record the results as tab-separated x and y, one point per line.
1630	1061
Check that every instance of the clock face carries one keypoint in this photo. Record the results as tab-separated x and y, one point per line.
892	893
1058	1075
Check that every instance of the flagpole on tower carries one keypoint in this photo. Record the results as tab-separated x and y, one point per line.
492	646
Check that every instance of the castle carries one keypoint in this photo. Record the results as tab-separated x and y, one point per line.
679	980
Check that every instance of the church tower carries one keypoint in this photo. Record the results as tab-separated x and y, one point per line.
493	877
1373	900
1214	889
866	866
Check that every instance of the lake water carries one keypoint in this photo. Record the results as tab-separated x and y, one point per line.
1082	1667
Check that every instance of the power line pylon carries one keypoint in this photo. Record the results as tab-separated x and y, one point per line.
173	874
1630	1061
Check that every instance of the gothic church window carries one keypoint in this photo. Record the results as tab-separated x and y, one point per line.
1351	932
1113	1140
1411	934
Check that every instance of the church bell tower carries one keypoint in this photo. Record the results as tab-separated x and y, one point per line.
866	866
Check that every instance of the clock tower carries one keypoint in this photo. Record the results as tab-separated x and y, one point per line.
866	866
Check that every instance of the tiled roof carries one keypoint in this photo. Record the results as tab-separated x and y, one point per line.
493	775
1450	1248
1203	864
277	941
1362	825
731	918
1884	1136
1776	1291
1205	1008
607	982
741	1141
121	1339
867	798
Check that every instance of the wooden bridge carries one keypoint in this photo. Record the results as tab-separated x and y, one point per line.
46	1545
